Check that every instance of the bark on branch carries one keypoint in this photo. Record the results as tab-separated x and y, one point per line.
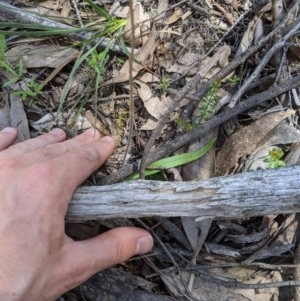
241	195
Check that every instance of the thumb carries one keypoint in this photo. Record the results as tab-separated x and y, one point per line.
82	259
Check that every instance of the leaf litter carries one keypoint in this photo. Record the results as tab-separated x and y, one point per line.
175	45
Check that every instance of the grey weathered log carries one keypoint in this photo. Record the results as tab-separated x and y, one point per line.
238	196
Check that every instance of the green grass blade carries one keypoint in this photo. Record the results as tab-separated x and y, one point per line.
102	12
44	32
175	161
69	82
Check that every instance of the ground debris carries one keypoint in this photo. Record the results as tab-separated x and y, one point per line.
200	56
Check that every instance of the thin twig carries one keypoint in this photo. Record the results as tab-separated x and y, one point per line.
279	45
226	14
131	93
74	3
207	275
246	54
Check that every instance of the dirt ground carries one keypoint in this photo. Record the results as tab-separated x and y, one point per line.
215	82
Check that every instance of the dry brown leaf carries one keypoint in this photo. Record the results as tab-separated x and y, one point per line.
41	56
45	123
246	140
48	9
148	77
248	36
154	105
176	16
283	133
142	19
142	58
150	124
65	10
186	60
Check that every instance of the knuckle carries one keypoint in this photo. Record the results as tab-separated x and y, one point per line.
89	155
117	253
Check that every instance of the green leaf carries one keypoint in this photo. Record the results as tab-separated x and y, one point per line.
174	161
2	47
44	32
102	12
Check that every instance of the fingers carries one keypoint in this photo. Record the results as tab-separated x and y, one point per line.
83	259
22	148
7	137
80	162
46	147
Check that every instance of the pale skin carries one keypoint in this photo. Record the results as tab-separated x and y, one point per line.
37	180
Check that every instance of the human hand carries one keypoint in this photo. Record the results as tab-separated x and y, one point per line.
37	180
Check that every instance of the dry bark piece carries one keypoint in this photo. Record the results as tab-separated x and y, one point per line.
222	250
205	290
278	244
117	285
246	140
12	114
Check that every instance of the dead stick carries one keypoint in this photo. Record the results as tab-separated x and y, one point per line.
238	196
254	75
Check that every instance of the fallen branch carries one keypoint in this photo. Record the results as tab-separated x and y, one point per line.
242	195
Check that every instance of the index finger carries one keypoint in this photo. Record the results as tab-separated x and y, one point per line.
75	165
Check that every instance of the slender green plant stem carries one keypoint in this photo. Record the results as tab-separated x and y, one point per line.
131	96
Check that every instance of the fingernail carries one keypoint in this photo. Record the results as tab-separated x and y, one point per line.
57	132
92	132
8	130
144	244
